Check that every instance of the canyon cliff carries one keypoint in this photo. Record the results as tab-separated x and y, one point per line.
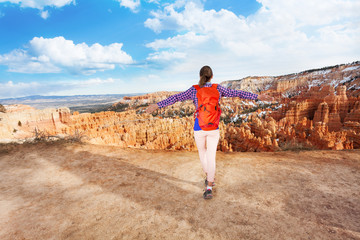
294	84
315	109
22	121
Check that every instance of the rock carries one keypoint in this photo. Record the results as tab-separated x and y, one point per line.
322	113
294	84
20	121
354	114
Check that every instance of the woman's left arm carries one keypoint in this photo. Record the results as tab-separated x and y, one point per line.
226	92
265	97
151	108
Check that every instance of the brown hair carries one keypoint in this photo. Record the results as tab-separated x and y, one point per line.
205	75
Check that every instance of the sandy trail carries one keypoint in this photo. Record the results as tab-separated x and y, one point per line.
74	191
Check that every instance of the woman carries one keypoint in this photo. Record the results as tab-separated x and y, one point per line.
206	140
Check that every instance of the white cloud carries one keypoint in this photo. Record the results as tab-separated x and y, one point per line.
187	40
40	4
166	56
93	81
313	12
282	36
53	55
44	14
20	61
10	89
20	89
182	43
132	4
147	80
154	1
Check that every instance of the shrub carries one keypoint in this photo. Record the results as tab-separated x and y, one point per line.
2	108
295	146
76	137
119	107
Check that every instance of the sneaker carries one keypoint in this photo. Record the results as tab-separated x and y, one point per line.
208	194
206	183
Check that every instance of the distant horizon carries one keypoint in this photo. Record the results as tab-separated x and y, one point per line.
72	102
90	47
141	93
78	95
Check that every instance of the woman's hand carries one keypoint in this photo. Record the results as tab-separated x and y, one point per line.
265	97
151	108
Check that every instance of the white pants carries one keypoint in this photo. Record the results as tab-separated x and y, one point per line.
206	142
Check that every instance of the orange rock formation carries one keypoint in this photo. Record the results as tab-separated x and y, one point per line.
319	117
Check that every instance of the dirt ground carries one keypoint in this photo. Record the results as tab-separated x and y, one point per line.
75	191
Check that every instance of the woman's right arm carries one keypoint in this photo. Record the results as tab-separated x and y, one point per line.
171	100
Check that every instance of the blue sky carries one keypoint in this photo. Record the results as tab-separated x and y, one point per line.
72	47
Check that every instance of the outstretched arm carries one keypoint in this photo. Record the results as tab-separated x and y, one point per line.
188	94
227	92
265	97
151	108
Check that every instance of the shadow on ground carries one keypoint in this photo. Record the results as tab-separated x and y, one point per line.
74	191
